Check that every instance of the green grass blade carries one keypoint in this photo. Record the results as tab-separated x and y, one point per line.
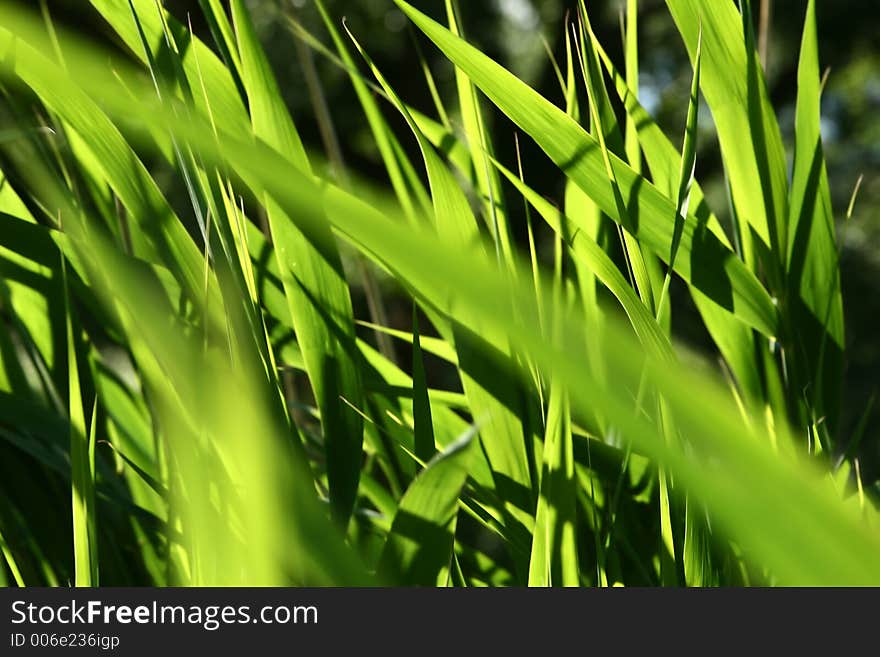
813	268
751	144
631	47
686	173
554	557
589	254
478	139
418	550
424	426
82	466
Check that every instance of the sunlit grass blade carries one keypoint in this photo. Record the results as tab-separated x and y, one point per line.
418	550
686	173
587	253
607	132
554	557
476	135
814	282
733	338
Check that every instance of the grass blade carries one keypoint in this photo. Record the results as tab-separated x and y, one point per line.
712	268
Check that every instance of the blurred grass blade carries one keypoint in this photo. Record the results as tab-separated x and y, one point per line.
710	266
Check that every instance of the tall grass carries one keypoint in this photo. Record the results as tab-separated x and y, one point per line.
187	395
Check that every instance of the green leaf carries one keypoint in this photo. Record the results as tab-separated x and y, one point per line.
705	262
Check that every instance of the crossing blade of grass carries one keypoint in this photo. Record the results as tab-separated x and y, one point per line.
695	561
813	268
631	139
448	425
704	261
221	30
607	133
418	550
589	221
452	212
120	167
394	157
314	283
198	60
435	346
590	255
